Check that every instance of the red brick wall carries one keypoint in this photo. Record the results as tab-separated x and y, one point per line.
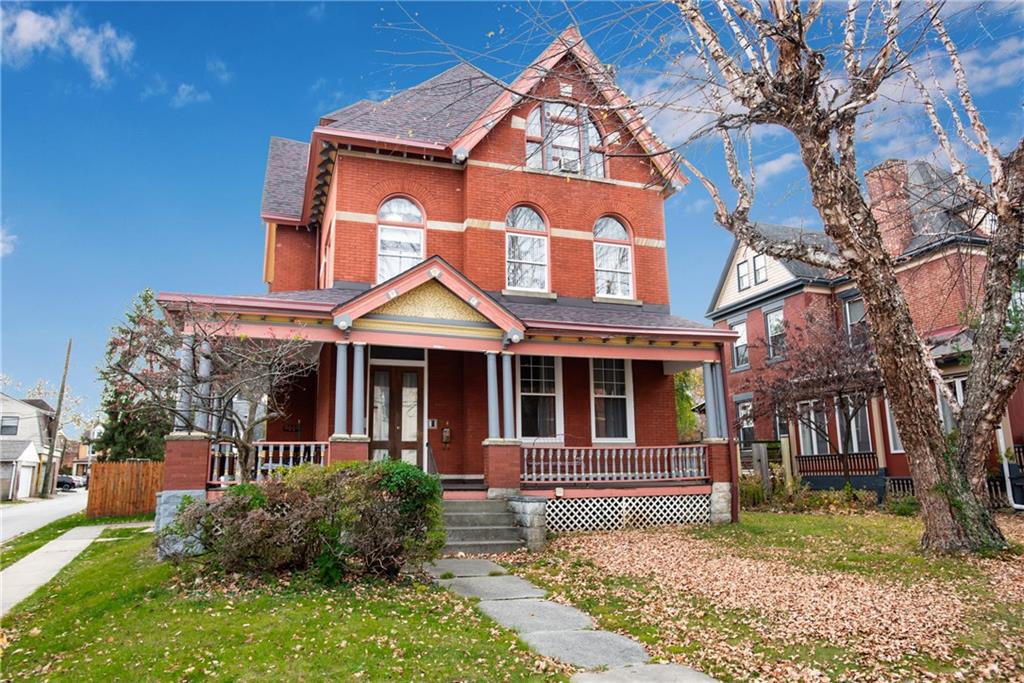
301	408
941	291
445	404
576	401
654	402
295	259
186	464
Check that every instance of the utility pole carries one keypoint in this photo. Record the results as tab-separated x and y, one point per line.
44	491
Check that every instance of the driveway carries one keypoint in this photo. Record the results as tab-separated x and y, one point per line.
21	519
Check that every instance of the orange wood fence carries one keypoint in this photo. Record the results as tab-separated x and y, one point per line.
123	488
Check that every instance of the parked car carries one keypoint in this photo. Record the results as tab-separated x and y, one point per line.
65	482
79	481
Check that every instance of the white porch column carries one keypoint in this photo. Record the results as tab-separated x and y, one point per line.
507	396
341	389
714	401
493	428
205	368
184	406
358	389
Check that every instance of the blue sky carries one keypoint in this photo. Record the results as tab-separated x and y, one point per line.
134	137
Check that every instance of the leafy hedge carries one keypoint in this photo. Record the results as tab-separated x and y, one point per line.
342	519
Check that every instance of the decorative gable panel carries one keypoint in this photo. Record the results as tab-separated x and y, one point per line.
433	301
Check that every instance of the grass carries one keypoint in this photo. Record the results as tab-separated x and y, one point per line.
20	546
732	644
115	613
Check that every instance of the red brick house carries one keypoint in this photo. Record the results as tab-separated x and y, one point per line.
939	245
484	269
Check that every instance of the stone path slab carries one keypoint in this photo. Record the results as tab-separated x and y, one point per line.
492	587
529	616
27	575
462	568
649	673
558	631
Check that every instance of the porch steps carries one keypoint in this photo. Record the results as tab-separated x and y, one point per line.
480	527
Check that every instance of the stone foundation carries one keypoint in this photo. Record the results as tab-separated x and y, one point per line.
531	518
721	502
168	503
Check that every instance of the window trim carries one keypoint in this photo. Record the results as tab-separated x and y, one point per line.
742	419
736	365
763	269
856	430
628	245
815	436
17	424
544	235
559	437
402	225
739	278
846	314
585	149
630	417
773	353
890	427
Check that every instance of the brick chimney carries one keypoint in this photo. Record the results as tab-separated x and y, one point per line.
890	204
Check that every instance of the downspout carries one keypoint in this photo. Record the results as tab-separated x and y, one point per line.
735	476
1001	442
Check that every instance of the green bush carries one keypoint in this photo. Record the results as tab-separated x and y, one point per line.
903	506
337	520
751	491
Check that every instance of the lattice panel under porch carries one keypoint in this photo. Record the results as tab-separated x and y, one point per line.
626	512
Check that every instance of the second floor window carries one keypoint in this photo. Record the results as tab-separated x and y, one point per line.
740	358
742	275
760	268
856	323
399	237
613	259
526	250
9	425
775	331
563	137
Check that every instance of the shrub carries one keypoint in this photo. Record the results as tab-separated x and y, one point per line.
336	520
903	506
751	491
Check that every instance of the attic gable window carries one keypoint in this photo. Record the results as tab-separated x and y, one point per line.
399	237
742	275
760	268
564	138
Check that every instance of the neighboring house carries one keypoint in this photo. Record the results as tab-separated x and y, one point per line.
29	419
938	243
19	469
87	453
486	277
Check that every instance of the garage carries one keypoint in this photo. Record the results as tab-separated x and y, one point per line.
19	462
26	475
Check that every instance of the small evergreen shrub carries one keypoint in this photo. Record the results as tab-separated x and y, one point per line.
903	506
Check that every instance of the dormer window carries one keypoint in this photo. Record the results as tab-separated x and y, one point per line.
526	250
564	138
399	237
613	259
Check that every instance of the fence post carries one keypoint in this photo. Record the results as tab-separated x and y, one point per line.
759	451
787	463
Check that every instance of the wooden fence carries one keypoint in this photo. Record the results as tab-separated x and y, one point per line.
123	488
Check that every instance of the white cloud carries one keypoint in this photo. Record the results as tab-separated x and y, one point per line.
157	86
218	69
7	241
777	166
187	94
329	95
317	10
27	33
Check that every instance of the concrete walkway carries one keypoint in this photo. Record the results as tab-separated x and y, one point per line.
22	518
554	630
27	575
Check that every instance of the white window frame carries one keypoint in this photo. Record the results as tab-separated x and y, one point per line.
772	351
420	227
813	433
630	418
745	421
959	388
7	418
746	344
854	428
559	437
628	246
547	258
891	427
746	274
763	269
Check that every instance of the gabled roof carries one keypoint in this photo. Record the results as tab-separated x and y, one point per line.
284	183
435	111
11	450
38	403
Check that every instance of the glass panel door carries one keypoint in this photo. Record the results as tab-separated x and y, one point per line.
397	416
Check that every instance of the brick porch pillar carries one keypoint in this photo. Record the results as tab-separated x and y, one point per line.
501	467
345	448
186	470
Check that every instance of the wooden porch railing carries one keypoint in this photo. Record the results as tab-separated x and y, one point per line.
1018	454
836	464
557	464
268	456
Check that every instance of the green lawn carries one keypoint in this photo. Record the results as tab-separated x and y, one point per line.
20	546
794	596
116	613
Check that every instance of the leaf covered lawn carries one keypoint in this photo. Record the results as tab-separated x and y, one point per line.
798	597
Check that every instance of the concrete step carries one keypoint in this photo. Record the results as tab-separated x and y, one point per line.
482	547
482	533
475	506
457	519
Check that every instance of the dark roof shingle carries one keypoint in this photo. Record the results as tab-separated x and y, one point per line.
285	182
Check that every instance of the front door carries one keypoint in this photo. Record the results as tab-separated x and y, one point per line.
396	417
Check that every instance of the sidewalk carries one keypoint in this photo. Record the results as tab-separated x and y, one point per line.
28	574
554	630
23	518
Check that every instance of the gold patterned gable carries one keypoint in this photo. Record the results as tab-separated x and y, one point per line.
430	301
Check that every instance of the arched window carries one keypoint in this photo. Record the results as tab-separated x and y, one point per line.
526	250
563	137
399	237
613	259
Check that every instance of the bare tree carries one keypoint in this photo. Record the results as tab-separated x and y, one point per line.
816	72
193	365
